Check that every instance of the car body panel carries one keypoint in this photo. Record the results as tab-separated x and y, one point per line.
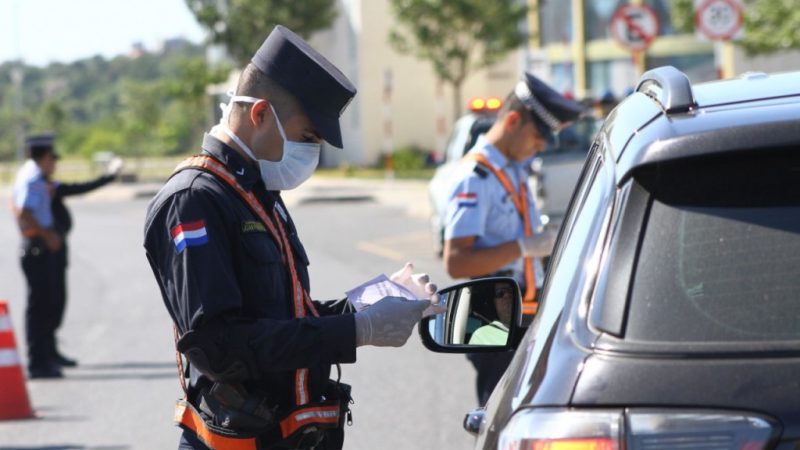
714	130
749	87
765	385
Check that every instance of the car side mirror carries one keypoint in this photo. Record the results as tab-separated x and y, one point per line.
481	315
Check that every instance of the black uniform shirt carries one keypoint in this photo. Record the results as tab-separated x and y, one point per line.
212	257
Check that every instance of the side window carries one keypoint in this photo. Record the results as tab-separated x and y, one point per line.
577	252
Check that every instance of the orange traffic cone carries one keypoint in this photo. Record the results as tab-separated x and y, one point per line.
14	403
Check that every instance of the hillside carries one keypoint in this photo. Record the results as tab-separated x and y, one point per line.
152	104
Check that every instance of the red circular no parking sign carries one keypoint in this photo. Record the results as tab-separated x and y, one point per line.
634	27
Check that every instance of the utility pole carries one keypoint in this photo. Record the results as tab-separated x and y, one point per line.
17	78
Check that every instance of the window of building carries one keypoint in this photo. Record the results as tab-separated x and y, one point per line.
555	21
597	15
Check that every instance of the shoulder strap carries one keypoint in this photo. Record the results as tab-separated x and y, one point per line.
301	298
520	199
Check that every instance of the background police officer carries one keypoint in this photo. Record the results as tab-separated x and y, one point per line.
492	223
62	224
40	242
233	272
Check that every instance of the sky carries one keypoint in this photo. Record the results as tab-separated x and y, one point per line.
45	31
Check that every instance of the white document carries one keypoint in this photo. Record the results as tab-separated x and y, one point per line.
376	289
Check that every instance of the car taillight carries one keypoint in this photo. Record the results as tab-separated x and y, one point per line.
635	429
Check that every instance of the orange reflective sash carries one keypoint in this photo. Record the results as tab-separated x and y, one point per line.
520	199
188	417
300	296
304	416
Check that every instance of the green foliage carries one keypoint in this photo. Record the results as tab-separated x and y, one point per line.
242	25
408	158
151	105
683	15
457	36
769	25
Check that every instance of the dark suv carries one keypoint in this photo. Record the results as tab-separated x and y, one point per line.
670	316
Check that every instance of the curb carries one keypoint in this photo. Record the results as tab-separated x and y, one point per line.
411	195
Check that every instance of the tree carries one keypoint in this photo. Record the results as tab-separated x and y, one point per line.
769	25
192	109
457	36
242	25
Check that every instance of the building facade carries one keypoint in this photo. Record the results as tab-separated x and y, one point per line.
571	46
400	102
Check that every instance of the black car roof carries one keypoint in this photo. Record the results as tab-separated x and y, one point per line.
673	119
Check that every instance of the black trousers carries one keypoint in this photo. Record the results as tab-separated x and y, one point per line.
490	368
41	272
60	286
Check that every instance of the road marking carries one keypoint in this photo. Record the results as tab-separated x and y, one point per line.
379	250
407	238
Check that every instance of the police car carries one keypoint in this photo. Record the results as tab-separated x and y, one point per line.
669	315
555	170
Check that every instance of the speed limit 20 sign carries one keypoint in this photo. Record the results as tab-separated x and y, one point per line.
718	19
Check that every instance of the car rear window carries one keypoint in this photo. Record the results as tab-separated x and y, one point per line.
720	255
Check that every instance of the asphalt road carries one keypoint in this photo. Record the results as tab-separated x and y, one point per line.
121	395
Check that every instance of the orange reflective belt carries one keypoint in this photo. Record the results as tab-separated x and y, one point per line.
188	417
520	199
297	419
300	296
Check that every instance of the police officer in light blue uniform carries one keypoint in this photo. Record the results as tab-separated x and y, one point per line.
493	227
481	206
40	242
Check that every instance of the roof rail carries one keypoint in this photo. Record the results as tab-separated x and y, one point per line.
668	86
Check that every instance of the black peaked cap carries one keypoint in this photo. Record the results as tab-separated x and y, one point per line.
38	145
322	89
545	104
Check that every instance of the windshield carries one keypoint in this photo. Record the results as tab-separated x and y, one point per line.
720	256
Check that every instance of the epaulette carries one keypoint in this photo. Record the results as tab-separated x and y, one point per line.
483	173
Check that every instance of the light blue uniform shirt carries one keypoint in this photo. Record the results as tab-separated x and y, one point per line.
31	193
480	206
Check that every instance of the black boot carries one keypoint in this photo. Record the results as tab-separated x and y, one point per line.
44	370
63	361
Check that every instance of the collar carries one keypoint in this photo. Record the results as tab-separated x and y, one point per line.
245	173
492	153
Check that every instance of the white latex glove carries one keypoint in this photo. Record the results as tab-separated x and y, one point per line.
114	166
420	285
388	322
538	245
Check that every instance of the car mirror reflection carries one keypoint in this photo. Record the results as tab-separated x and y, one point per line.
481	315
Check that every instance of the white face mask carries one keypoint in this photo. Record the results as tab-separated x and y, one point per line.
297	164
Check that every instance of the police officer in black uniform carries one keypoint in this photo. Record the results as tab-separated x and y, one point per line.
233	272
62	224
